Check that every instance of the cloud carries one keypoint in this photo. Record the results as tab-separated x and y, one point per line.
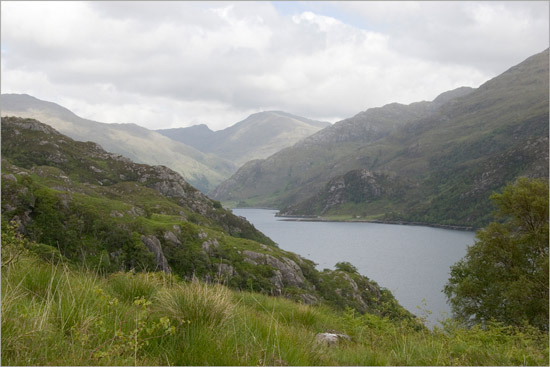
491	35
168	64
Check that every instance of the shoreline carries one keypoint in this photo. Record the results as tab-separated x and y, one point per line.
313	218
376	221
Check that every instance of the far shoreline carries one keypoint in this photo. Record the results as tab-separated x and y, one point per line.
306	218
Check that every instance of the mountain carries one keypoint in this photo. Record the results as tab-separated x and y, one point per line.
295	173
203	171
429	162
258	136
105	212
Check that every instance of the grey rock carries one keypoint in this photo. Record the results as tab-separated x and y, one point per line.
250	261
96	170
309	299
210	246
153	244
172	238
277	281
136	212
226	270
356	294
290	271
331	339
9	177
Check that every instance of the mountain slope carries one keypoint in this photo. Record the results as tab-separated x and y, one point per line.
295	173
443	160
204	171
108	213
258	136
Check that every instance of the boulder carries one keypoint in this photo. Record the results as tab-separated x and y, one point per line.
331	339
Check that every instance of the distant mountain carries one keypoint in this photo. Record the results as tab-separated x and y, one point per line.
203	171
258	136
431	162
295	173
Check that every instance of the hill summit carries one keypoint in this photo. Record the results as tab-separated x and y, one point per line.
258	136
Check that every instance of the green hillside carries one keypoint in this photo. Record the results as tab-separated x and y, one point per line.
109	262
203	171
103	211
430	162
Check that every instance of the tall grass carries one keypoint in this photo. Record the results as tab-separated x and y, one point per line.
55	315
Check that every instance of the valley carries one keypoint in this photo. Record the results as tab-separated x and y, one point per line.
118	246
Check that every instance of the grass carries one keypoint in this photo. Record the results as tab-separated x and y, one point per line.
55	314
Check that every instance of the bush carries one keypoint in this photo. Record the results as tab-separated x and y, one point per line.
346	266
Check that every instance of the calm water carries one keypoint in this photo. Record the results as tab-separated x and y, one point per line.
411	261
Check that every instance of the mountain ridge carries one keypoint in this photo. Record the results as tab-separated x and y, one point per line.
475	138
258	136
133	141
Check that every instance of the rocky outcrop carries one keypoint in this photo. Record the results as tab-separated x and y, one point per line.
286	270
153	244
226	270
357	186
210	246
171	238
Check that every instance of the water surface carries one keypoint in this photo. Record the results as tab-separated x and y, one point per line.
413	262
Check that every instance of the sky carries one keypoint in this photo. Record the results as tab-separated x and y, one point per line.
181	63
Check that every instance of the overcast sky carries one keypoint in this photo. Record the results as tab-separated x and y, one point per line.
176	64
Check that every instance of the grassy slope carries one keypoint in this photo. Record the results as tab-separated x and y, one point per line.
55	314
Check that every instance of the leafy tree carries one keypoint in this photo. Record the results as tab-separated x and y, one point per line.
504	276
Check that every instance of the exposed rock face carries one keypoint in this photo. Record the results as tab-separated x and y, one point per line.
210	246
277	281
172	238
356	293
309	299
358	186
290	272
153	244
226	270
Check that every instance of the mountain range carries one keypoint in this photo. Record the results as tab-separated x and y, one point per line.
203	157
258	136
137	143
428	162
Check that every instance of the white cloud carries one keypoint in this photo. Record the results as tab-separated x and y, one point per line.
168	64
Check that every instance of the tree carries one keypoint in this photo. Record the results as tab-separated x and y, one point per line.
504	276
